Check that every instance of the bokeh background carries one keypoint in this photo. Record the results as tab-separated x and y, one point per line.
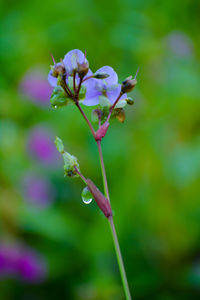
52	245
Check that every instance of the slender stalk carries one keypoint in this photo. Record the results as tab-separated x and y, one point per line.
113	106
103	170
89	77
113	230
119	259
105	183
74	82
86	119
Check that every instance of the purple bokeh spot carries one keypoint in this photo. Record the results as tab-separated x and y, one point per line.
38	190
16	261
41	146
35	86
180	43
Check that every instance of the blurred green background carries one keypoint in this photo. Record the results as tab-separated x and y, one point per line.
152	160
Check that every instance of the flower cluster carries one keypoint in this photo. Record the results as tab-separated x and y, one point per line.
74	82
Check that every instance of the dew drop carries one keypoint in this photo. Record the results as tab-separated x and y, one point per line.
86	196
55	106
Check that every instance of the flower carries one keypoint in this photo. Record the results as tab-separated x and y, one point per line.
71	62
73	59
20	262
35	86
108	87
95	87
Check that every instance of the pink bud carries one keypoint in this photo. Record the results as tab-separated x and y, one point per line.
101	132
100	199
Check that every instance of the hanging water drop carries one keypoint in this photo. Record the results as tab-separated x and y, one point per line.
86	196
55	106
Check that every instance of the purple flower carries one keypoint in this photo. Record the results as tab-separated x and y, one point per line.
108	87
41	146
72	59
38	190
17	261
35	86
70	62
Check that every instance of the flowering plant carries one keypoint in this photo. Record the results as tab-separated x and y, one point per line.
74	83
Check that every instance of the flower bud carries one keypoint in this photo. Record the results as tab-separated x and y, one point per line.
100	199
101	75
58	69
71	164
59	145
120	115
58	98
83	69
129	101
70	161
128	84
101	132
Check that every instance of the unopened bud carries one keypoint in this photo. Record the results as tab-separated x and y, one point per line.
101	132
101	75
129	101
58	69
128	84
120	115
59	98
83	69
100	199
70	161
71	165
59	145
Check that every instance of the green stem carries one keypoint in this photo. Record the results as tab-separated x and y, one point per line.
113	230
120	259
103	171
106	191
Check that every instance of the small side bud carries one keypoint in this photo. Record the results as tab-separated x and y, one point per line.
83	69
128	84
58	69
70	161
120	115
58	98
101	75
59	145
129	101
101	132
71	164
100	199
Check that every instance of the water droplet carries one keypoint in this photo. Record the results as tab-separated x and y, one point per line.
55	106
86	196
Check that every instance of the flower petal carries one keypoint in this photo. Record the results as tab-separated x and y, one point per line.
112	79
72	58
112	94
52	80
124	96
